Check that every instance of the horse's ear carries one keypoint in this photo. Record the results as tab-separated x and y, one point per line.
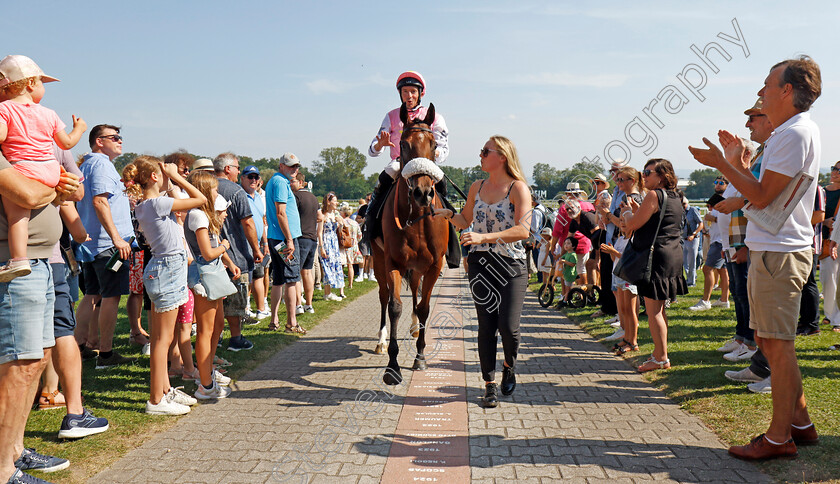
403	114
430	115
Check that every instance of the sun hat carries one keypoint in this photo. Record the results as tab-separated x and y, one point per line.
202	164
600	177
573	187
15	68
545	231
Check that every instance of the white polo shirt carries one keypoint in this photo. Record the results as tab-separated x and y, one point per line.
793	147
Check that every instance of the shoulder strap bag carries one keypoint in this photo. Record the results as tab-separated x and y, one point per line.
635	264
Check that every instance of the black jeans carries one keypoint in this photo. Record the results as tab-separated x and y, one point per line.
498	286
608	304
809	308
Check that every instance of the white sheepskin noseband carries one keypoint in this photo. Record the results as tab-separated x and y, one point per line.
422	166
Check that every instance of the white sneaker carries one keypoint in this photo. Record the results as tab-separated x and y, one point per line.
318	286
762	386
194	330
217	391
166	407
730	346
365	276
742	353
372	277
176	395
359	278
250	314
744	376
265	313
619	333
720	304
701	306
332	297
308	309
612	320
221	379
147	349
299	309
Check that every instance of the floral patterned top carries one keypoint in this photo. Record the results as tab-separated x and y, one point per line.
496	217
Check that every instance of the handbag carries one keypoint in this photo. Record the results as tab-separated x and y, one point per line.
635	265
214	278
345	240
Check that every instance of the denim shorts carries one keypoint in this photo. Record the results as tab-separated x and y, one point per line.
308	248
64	320
284	272
619	283
26	314
714	259
165	280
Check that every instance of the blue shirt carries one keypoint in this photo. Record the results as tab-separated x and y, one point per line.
258	209
101	178
617	196
279	190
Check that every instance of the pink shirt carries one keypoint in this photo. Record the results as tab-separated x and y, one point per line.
31	128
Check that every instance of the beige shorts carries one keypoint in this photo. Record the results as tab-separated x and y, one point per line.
774	284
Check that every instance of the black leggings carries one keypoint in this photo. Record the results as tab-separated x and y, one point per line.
498	286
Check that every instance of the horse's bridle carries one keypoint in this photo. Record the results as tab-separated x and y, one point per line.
403	160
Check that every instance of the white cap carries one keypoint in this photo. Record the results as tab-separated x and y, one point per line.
221	204
14	68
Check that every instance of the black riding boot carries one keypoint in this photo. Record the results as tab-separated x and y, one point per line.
373	216
453	250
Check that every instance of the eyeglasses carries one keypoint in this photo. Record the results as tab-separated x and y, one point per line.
720	182
647	172
113	137
253	176
621	180
485	151
234	166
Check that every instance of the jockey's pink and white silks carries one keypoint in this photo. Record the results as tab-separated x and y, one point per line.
394	126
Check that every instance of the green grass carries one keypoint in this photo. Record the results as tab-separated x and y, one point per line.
119	394
696	382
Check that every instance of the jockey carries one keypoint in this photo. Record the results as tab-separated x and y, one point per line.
411	87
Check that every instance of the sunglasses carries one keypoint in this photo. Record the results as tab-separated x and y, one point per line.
647	172
835	168
113	137
486	151
621	180
253	177
720	182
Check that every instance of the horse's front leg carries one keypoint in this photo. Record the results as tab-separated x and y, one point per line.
422	312
393	375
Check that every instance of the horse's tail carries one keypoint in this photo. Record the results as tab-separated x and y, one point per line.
407	278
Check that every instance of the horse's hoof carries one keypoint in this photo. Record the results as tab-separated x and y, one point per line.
392	376
379	350
419	364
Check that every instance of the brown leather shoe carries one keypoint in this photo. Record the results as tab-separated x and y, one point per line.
807	436
760	449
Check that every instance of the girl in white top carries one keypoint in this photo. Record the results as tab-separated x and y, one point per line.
165	277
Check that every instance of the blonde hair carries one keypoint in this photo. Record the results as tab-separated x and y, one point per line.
508	150
15	89
137	175
205	181
634	175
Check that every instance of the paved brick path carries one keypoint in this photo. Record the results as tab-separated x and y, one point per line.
318	412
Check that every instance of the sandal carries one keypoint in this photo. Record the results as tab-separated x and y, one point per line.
626	347
295	329
47	401
826	321
273	327
218	360
138	339
651	364
191	376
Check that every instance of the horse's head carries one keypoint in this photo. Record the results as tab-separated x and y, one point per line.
418	141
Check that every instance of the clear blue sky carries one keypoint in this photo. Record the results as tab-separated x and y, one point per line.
560	79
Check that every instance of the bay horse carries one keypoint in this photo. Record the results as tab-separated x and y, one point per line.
413	243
